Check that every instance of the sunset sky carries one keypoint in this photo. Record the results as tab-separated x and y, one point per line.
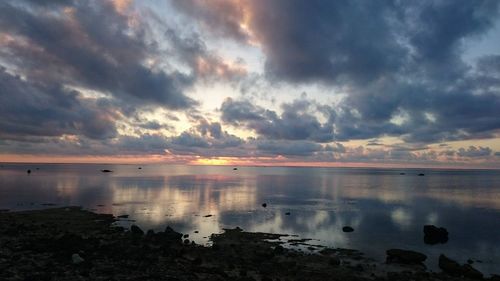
251	82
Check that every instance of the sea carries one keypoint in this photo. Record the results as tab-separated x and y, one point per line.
387	208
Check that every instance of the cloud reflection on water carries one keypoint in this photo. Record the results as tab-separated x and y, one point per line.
386	209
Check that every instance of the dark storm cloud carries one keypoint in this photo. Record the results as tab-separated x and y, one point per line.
33	109
352	40
146	144
296	122
288	148
396	58
474	151
89	44
310	40
206	139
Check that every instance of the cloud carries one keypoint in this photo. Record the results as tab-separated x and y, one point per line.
206	139
296	122
474	151
393	59
90	44
34	109
288	148
56	55
346	41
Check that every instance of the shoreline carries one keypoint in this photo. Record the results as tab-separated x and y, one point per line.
70	243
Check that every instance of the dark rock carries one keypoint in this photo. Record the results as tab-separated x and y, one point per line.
172	235
186	235
28	171
207	216
453	268
279	250
335	261
196	231
235	169
136	230
347	229
449	266
140	168
434	235
150	233
471	272
402	173
421	174
186	241
77	259
197	261
495	277
106	171
264	205
287	213
67	242
404	256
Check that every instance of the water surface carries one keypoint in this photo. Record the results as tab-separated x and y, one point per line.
386	209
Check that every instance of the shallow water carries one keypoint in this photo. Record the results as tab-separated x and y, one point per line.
386	209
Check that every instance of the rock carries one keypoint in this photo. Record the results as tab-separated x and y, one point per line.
264	205
453	268
196	231
140	168
106	171
287	213
335	261
150	233
279	249
28	171
185	236
495	277
471	272
434	235
77	259
235	169
136	230
449	266
347	229
207	216
404	256
172	235
421	174
186	242
402	173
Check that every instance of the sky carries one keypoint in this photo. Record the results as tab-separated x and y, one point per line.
389	83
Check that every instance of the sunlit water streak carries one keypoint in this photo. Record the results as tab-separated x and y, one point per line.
386	209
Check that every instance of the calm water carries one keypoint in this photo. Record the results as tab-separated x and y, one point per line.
386	209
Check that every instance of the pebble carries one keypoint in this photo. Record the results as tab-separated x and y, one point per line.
77	259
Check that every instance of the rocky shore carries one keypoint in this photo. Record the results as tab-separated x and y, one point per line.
74	244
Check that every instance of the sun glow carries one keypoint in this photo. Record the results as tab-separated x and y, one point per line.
211	161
